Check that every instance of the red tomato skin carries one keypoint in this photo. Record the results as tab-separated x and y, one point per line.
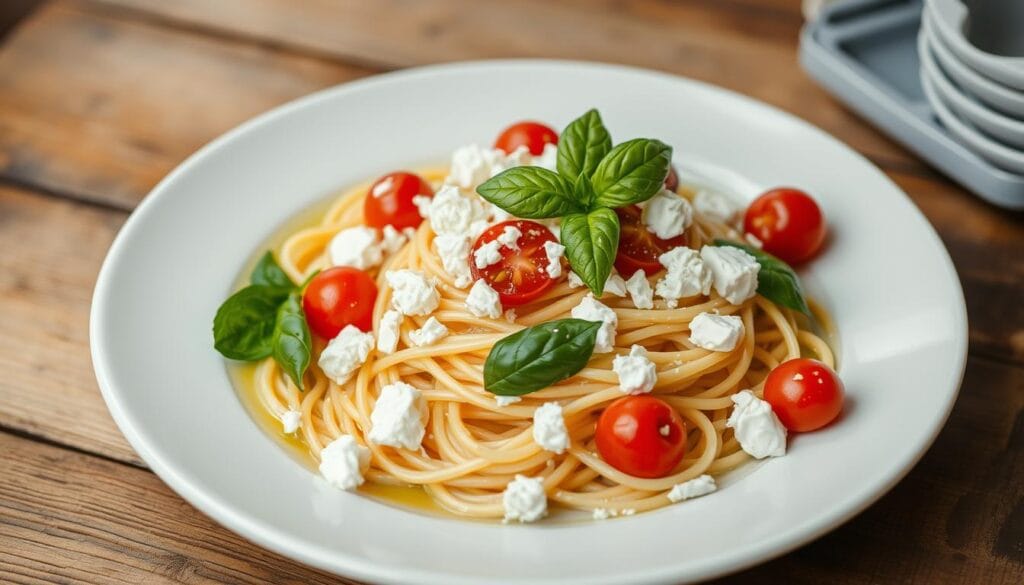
629	436
672	180
638	248
393	204
532	135
524	264
338	297
788	222
805	394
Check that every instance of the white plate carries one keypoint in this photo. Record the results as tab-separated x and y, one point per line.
885	276
1001	128
999	97
949	20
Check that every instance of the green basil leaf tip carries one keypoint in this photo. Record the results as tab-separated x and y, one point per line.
582	145
591	241
632	172
292	346
531	193
776	281
539	356
243	328
268	273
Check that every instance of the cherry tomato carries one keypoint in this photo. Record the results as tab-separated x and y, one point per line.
642	436
804	393
521	275
672	180
532	135
338	297
389	201
788	222
638	248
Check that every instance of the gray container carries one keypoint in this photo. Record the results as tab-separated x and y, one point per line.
865	52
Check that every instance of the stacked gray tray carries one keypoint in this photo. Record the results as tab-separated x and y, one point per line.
865	52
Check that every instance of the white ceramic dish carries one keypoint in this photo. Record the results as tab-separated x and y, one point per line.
949	18
1001	128
998	154
999	97
903	332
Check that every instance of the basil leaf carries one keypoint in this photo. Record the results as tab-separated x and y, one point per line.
531	193
243	328
292	345
584	190
633	172
776	281
582	145
539	356
591	241
267	272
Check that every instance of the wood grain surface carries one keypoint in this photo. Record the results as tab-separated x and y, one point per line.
100	98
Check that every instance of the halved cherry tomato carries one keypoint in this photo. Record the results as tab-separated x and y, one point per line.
642	436
788	222
532	135
521	275
638	248
389	201
338	297
672	180
804	393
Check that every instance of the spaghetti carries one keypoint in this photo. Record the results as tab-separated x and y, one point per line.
473	447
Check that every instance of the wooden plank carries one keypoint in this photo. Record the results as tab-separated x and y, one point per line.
747	46
71	518
954	519
52	251
84	87
103	108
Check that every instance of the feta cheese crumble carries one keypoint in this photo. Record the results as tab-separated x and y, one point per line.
591	309
715	206
343	462
716	332
483	301
637	374
667	215
734	272
548	159
412	293
687	276
454	253
555	252
472	164
487	255
574	280
509	237
392	240
549	428
503	401
431	332
397	417
615	285
356	247
524	499
291	420
387	331
345	354
451	212
756	427
640	290
696	487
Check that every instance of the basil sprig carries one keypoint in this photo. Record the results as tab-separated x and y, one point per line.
593	179
264	319
539	356
776	281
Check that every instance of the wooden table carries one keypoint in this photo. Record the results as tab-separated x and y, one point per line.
100	98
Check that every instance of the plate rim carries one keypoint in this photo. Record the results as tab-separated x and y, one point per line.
356	567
